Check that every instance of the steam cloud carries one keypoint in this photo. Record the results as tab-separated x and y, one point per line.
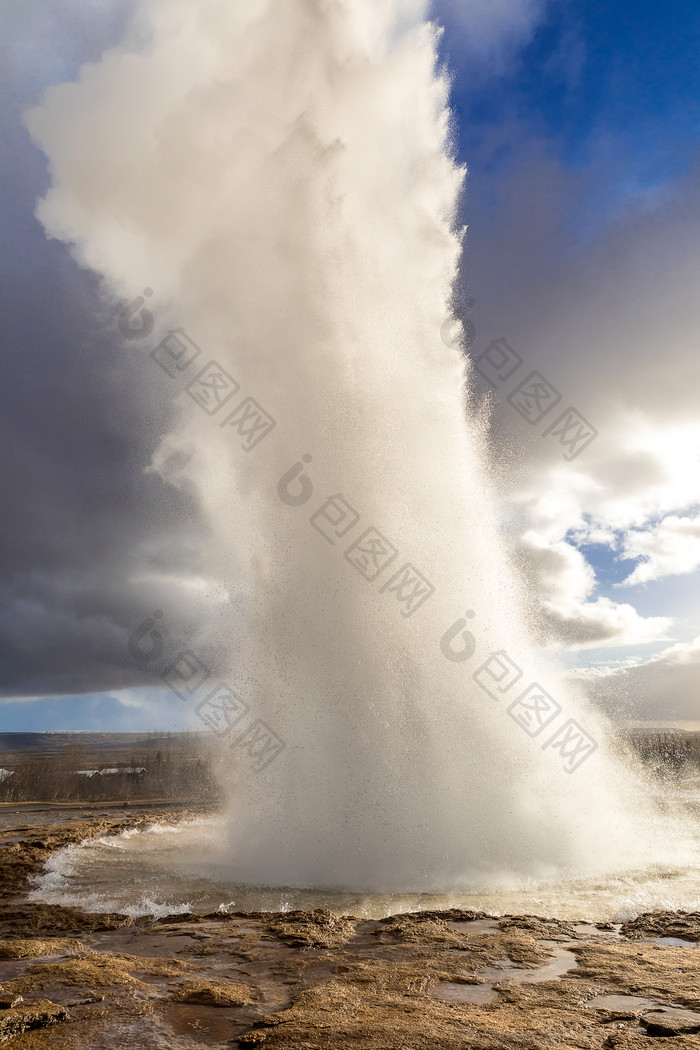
280	173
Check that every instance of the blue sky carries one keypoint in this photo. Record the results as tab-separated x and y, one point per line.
593	124
592	70
134	711
580	125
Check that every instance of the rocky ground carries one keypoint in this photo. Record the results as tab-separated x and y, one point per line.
309	979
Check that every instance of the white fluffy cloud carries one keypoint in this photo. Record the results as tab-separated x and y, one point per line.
640	470
670	548
635	492
564	583
604	305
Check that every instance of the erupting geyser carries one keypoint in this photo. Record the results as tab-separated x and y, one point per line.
280	173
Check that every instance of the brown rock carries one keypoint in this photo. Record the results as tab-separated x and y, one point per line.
685	925
33	947
8	1000
95	970
670	1023
214	993
317	928
38	1014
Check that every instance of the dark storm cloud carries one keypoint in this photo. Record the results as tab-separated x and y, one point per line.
81	414
82	522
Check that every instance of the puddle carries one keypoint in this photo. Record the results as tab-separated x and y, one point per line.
507	973
671	1021
592	931
156	1032
203	1024
623	1003
452	992
654	1015
677	1011
474	927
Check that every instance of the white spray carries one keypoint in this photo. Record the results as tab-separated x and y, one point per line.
280	173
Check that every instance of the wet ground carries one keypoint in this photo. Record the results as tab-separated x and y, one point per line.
312	979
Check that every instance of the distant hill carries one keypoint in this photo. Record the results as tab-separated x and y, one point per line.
656	731
95	749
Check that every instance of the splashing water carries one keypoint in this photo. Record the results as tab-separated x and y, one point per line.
187	868
280	173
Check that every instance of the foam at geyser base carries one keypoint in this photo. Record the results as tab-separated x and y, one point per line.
280	173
